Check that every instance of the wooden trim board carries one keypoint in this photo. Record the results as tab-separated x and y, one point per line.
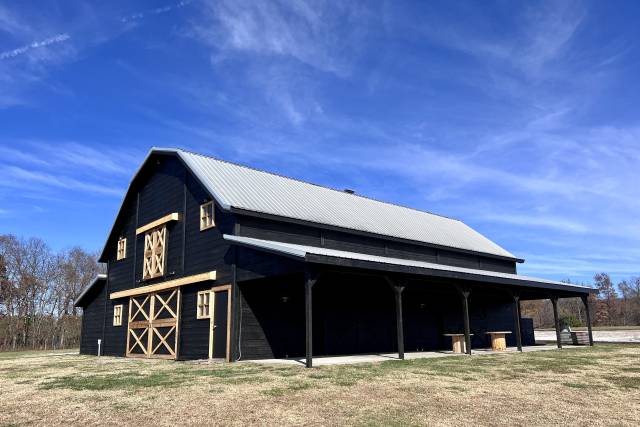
167	218
209	275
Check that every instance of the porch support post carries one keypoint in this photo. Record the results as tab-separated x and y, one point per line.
554	302
516	315
310	280
397	291
464	292
585	301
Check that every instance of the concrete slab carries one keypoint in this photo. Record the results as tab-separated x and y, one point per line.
369	358
621	336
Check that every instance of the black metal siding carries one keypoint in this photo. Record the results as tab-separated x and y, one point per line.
194	332
268	229
92	317
165	187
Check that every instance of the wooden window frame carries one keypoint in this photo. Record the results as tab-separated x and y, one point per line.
117	315
154	261
203	301
121	250
207	216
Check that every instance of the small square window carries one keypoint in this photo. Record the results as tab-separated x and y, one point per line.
122	248
117	315
206	216
203	304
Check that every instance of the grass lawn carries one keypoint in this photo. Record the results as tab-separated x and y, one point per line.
574	386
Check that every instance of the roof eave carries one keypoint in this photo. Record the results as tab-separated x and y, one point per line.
301	254
90	286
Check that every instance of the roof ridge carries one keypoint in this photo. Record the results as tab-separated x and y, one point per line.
314	184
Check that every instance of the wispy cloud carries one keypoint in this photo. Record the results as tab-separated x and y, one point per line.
17	177
69	156
308	32
284	45
35	45
541	220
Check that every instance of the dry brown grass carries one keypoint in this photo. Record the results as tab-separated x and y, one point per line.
599	385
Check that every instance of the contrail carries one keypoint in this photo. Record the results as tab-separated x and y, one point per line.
46	42
157	11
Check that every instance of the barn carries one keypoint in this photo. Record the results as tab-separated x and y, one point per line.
211	259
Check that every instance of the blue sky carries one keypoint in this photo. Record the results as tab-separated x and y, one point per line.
520	119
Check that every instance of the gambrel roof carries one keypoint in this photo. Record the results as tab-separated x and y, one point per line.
241	188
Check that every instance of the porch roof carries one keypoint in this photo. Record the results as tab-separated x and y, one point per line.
335	257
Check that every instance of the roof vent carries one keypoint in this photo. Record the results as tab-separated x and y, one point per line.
349	191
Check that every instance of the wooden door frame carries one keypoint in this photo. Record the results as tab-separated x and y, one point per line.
212	310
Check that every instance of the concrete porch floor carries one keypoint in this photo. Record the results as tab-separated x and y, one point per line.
381	357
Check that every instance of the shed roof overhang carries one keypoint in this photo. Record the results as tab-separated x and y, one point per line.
338	258
98	280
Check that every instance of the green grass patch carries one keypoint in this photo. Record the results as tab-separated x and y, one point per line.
113	382
624	382
289	388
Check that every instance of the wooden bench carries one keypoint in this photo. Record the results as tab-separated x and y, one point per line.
574	337
498	340
457	342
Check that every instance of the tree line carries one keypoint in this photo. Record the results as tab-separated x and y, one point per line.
37	289
615	305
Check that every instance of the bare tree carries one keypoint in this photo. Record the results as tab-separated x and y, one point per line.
37	291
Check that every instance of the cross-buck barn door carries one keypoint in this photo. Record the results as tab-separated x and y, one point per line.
154	322
220	323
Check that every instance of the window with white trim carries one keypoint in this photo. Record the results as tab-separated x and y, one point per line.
122	249
207	219
203	305
117	315
154	250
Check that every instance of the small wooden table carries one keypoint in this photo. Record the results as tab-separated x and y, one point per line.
498	341
457	342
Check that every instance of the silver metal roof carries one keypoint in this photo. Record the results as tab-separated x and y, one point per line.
301	251
253	190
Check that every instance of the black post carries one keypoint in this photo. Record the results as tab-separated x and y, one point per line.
516	315
585	301
310	280
397	290
465	309
554	301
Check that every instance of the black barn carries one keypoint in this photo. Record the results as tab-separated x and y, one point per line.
209	259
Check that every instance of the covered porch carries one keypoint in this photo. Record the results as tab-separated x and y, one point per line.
349	303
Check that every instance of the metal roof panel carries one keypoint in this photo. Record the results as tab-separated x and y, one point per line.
301	251
254	190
